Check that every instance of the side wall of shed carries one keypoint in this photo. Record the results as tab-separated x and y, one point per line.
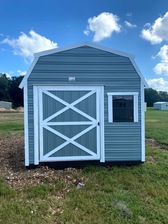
90	66
5	104
157	106
161	106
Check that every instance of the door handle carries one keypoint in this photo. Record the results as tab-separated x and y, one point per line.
98	123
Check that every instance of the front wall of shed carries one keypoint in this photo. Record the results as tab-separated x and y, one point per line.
164	106
161	106
91	66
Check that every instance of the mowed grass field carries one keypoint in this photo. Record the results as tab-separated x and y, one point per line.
157	125
11	123
115	194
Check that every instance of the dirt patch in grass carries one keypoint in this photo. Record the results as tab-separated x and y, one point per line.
18	176
19	109
150	159
13	170
154	144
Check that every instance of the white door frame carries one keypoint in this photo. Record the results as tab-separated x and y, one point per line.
38	141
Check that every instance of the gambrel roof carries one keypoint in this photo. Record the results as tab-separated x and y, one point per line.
82	44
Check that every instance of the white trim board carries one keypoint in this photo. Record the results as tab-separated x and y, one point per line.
26	128
102	143
36	128
24	80
142	124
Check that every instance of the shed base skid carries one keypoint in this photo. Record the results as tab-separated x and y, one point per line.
82	164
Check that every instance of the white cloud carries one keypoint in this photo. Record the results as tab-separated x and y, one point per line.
7	75
103	26
150	36
157	32
162	67
128	24
158	84
22	73
86	32
129	14
26	45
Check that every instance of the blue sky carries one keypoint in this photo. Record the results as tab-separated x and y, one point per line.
136	27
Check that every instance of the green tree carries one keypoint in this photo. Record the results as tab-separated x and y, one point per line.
151	96
15	92
4	88
163	96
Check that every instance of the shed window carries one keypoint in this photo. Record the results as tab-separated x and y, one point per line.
123	107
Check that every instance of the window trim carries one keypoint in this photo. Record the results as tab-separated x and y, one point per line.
110	104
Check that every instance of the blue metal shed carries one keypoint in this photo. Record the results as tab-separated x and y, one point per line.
83	102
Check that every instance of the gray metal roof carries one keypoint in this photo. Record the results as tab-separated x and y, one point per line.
160	102
56	50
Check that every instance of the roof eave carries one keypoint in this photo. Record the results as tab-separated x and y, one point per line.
24	80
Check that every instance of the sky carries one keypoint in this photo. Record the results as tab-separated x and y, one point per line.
132	26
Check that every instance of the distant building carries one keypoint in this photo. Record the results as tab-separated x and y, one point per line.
160	106
5	104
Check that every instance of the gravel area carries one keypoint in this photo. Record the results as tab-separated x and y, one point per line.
13	170
18	176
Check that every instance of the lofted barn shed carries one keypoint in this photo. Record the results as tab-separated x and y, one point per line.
83	103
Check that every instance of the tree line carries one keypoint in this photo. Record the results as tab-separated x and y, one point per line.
10	91
152	96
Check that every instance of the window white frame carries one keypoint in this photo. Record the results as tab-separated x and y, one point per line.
110	104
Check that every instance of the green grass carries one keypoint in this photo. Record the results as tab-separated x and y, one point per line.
11	123
157	125
117	194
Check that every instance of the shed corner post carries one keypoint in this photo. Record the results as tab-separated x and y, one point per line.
102	158
26	128
142	123
36	124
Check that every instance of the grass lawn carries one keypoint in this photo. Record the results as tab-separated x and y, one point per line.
117	194
157	125
11	123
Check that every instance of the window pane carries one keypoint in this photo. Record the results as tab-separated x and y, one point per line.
123	108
